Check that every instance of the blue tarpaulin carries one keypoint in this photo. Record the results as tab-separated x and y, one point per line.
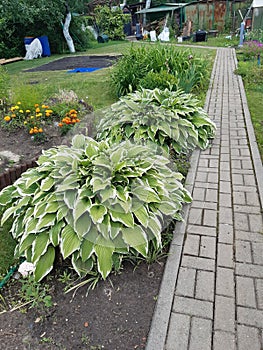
83	70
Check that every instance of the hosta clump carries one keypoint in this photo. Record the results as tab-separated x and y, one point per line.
172	119
94	203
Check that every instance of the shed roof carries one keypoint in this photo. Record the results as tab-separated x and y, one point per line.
257	3
162	8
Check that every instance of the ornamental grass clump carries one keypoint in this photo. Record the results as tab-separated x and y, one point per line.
172	119
93	203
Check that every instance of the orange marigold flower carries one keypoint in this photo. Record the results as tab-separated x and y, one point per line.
72	111
77	120
37	110
7	118
60	124
36	105
31	131
13	115
40	130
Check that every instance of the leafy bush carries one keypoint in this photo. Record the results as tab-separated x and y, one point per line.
92	202
170	119
256	34
190	71
4	88
110	22
251	49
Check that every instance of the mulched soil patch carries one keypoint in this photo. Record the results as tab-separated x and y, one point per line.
73	62
116	315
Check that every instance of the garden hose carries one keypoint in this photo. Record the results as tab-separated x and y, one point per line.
10	273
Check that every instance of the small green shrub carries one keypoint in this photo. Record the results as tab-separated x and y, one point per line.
171	119
190	71
4	88
94	203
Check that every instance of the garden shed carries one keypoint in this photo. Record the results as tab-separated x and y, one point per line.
257	16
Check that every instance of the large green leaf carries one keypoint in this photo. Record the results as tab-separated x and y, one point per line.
46	220
69	241
26	241
82	224
47	183
104	250
97	213
45	264
40	245
136	238
54	233
142	215
125	218
6	195
146	194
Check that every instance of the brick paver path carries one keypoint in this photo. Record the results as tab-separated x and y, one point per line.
218	295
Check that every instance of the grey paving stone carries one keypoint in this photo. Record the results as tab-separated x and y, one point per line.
225	282
239	198
255	222
201	334
257	253
248	338
211	195
201	230
236	164
249	236
252	198
249	270
201	176
243	251
205	285
193	307
178	333
246	164
225	186
249	317
224	341
204	205
206	185
225	255
225	175
259	293
225	199
191	246
208	247
186	282
225	233
195	216
247	209
241	221
199	194
212	177
210	217
225	215
245	291
198	263
213	163
248	189
224	306
249	180
238	179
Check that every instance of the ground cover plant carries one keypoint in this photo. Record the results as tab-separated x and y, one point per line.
172	119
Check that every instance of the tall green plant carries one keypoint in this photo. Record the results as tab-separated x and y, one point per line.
189	71
172	119
93	203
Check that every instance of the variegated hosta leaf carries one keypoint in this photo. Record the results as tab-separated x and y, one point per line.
81	267
69	241
136	238
45	264
104	250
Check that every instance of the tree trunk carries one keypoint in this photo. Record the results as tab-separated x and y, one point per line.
66	33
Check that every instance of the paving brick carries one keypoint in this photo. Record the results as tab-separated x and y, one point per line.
247	209
249	236
225	233
225	166
178	333
211	195
252	199
257	253
245	291
185	285
212	177
205	285
249	317
243	251
195	216
225	215
225	282
201	334
191	246
249	270
248	338
199	194
208	247
193	307
206	185
225	255
224	341
236	164
239	198
249	180
255	223
198	263
259	293
241	221
210	217
244	152
224	306
238	179
225	199
201	230
201	176
225	175
249	189
204	205
203	162
213	163
225	186
246	164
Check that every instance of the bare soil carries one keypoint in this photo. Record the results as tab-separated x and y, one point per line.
116	315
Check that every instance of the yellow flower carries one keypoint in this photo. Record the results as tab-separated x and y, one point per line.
12	109
28	111
21	111
13	115
32	117
7	118
18	103
25	123
31	131
16	107
38	114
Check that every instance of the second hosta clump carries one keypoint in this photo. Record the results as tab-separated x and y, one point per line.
94	203
172	119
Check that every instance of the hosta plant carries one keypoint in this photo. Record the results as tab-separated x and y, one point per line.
93	203
172	119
